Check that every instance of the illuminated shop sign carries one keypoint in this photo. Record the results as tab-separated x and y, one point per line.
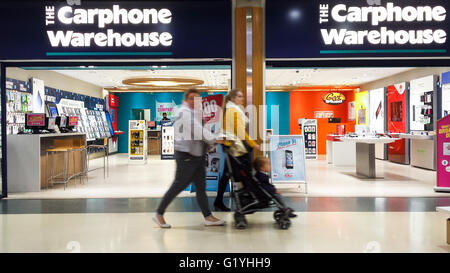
334	98
357	28
93	29
105	21
378	16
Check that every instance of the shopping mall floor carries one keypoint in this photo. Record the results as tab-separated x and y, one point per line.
339	214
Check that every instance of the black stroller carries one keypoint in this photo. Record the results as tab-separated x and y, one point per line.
251	197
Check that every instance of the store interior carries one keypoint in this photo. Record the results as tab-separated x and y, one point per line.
140	156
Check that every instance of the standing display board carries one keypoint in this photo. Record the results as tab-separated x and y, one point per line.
137	150
287	159
377	118
398	122
167	140
215	158
309	129
443	154
445	94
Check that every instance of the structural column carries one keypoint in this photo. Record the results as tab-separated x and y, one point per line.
249	61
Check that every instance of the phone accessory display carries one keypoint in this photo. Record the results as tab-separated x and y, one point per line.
167	141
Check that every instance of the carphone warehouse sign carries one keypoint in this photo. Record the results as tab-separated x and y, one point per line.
115	29
104	20
376	17
336	28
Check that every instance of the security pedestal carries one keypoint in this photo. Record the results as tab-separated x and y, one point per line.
365	159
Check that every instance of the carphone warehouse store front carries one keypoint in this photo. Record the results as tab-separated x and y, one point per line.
79	76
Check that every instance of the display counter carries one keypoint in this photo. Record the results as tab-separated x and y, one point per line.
154	142
365	153
27	161
340	153
423	150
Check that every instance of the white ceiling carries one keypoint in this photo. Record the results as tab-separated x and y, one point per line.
221	77
114	78
329	76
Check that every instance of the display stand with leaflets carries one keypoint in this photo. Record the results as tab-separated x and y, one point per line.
309	129
167	140
443	155
287	160
137	147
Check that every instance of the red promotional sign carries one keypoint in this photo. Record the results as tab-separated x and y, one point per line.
212	108
36	119
113	101
73	121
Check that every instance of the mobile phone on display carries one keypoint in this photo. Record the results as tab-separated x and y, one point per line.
378	111
289	159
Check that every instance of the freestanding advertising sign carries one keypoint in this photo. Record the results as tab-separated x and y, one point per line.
215	159
443	155
287	159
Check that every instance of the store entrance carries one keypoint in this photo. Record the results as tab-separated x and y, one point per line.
105	129
389	111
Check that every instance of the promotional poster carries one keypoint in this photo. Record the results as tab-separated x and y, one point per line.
215	158
287	158
443	150
377	107
165	107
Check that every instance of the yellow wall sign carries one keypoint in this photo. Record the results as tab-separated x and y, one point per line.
334	98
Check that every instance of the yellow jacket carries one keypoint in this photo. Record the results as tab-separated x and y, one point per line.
234	124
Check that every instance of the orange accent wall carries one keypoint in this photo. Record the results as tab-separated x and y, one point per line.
303	104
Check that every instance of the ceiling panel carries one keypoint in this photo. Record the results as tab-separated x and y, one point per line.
222	77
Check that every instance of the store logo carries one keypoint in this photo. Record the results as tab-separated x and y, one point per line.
334	98
106	18
377	15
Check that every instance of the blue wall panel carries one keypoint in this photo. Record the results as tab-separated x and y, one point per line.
282	99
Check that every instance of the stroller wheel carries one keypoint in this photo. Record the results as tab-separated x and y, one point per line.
277	215
240	221
284	223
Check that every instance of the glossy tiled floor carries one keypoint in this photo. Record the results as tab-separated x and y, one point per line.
153	179
310	232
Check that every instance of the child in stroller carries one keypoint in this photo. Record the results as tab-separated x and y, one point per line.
262	167
251	195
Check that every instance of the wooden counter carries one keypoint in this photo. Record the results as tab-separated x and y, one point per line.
27	163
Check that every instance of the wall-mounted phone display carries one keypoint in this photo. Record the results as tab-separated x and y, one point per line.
378	119
309	129
398	122
423	103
